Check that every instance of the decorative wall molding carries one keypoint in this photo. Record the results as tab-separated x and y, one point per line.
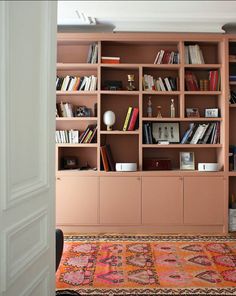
19	252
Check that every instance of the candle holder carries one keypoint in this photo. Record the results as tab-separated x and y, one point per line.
130	86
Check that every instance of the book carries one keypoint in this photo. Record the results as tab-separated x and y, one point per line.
104	158
127	119
110	158
110	60
133	119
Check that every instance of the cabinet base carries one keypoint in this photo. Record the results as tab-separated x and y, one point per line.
145	229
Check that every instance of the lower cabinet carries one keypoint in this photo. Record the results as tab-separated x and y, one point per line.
162	200
120	200
204	200
77	200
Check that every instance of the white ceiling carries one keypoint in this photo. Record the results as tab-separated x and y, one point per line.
150	16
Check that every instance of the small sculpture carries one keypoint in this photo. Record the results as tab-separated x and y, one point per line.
172	108
131	82
149	108
159	112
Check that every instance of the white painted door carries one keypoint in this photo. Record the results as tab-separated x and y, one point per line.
27	108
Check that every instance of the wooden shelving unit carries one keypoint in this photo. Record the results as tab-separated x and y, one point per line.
170	193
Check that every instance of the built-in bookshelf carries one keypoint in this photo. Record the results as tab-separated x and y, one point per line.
178	82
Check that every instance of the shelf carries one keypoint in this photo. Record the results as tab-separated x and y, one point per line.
232	83
232	60
181	119
202	66
206	93
66	145
121	66
76	93
119	132
182	146
232	105
76	118
119	92
76	66
232	174
164	93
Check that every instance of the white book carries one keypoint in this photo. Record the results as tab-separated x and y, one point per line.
205	126
157	56
76	136
167	84
90	53
160	56
197	134
65	83
83	83
162	84
72	83
94	55
88	82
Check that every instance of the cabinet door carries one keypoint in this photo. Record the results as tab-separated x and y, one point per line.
162	200
76	200
120	200
204	200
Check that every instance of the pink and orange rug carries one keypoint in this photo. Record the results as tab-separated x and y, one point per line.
148	265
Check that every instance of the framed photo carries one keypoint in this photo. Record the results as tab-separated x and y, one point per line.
166	131
83	111
192	112
187	161
213	112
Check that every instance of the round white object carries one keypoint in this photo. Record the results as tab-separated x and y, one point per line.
109	118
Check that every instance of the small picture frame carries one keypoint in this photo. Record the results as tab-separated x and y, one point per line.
83	111
212	112
187	161
192	112
166	131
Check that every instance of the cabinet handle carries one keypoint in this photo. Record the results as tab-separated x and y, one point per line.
138	178
181	178
59	179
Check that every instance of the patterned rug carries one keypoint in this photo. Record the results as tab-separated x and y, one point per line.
148	265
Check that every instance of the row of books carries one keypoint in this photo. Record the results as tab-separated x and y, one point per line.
193	54
65	136
89	135
131	119
232	98
159	84
167	57
192	83
202	133
64	110
72	83
93	54
107	158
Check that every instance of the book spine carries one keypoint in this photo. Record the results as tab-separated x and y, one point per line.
110	158
133	119
128	115
104	158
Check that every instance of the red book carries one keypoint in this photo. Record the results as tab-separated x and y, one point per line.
104	158
133	119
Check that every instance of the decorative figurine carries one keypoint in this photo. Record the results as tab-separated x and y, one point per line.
172	108
131	82
109	119
149	108
159	112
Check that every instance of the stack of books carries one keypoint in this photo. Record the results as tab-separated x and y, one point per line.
65	136
64	110
193	54
93	54
232	99
72	83
167	57
89	135
147	133
131	119
159	84
110	60
202	133
107	158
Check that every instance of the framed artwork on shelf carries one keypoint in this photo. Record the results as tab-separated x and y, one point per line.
192	112
187	161
213	112
166	131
